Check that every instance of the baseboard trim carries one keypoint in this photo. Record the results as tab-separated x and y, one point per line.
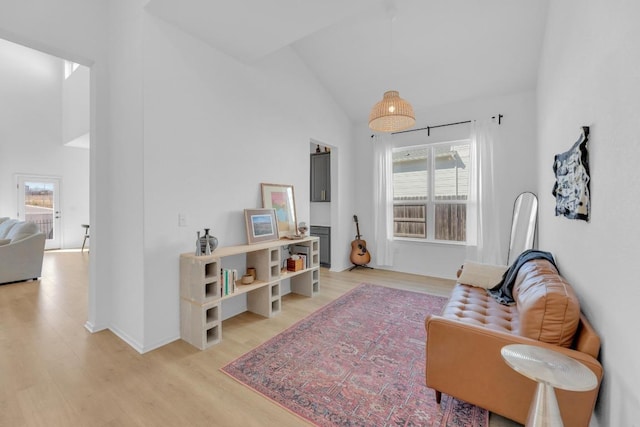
126	338
89	326
159	344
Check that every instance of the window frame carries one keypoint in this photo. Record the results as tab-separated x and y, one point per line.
431	202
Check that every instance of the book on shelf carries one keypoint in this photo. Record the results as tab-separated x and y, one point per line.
234	279
228	278
302	250
304	260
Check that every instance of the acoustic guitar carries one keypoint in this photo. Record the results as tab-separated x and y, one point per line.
359	253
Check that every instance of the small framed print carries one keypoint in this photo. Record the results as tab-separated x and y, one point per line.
261	225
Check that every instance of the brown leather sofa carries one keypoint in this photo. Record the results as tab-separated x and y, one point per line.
464	342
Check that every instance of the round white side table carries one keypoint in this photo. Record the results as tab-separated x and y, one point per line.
549	369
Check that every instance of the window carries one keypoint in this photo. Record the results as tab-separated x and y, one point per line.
431	190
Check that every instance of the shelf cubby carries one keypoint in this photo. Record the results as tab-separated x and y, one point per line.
275	271
212	315
211	270
275	255
275	306
211	291
213	335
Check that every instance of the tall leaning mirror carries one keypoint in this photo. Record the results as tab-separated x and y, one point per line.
523	225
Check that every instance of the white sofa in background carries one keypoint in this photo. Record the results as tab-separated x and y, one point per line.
21	250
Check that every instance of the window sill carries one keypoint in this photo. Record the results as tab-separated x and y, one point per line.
429	241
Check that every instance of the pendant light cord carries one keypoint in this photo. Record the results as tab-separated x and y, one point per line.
392	11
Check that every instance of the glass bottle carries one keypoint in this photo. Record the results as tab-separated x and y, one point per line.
198	246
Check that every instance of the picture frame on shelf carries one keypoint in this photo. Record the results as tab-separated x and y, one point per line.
261	225
281	198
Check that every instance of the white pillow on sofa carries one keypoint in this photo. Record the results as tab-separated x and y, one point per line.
481	275
22	230
6	226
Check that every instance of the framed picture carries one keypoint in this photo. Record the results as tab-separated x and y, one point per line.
572	188
261	225
280	197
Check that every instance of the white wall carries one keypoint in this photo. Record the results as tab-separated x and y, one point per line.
589	77
126	170
214	129
76	105
515	172
31	136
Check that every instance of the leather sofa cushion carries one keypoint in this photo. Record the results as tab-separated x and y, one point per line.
473	305
548	307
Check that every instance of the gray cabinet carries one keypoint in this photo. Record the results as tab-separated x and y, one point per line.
321	177
324	233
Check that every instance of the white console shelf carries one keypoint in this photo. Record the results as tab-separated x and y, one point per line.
201	299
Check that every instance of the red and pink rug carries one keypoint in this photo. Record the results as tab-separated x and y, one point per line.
358	361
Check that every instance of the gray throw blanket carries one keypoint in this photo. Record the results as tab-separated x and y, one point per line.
502	292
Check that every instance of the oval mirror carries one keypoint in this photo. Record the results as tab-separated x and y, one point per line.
523	225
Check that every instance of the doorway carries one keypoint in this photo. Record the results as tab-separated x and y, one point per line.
48	114
39	202
46	143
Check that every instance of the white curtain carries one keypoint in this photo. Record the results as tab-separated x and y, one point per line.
483	216
383	199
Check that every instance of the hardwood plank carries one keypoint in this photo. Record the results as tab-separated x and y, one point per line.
55	373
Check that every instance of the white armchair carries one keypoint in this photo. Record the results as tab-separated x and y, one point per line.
21	251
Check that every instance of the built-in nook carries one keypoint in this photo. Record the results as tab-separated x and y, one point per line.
321	181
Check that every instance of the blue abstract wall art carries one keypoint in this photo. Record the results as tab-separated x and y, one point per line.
571	190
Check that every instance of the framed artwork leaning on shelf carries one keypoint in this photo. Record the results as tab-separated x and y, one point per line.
280	197
261	225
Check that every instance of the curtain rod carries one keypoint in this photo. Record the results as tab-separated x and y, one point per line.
428	128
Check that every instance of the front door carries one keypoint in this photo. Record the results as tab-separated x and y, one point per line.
39	202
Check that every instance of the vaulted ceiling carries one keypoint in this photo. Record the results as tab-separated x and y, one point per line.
434	52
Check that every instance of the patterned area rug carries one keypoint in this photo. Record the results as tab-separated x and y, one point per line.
359	361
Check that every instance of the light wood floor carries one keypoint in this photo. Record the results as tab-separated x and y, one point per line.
53	372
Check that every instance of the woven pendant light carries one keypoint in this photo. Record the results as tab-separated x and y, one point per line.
392	114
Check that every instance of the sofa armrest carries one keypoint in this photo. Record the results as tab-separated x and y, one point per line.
464	361
22	260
